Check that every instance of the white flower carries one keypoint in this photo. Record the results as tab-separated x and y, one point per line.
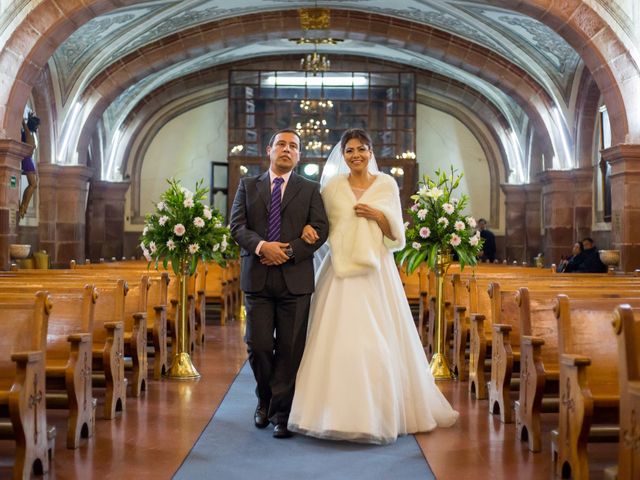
198	222
473	240
187	193
443	221
207	213
161	206
454	201
425	232
223	243
422	214
193	248
449	208
423	191
406	225
171	245
455	240
435	193
216	247
471	222
163	219
218	225
179	229
459	225
143	246
147	256
188	202
145	229
416	245
152	247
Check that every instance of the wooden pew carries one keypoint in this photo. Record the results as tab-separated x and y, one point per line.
68	355
134	311
156	304
589	381
23	332
626	324
108	332
539	375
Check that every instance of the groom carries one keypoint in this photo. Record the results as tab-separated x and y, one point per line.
267	219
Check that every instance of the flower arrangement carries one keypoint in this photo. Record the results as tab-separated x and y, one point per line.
183	230
439	225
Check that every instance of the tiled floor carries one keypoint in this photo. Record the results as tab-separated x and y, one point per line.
153	436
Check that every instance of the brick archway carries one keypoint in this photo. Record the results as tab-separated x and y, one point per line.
617	76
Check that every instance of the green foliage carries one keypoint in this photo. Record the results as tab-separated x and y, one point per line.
439	225
184	230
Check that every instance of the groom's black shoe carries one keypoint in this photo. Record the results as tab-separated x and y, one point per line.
260	418
281	431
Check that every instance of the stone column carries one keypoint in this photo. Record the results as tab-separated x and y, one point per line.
63	203
582	203
11	154
105	219
533	221
557	213
514	222
625	203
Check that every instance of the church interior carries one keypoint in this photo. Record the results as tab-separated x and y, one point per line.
535	102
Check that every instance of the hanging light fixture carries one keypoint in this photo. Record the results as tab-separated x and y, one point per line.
315	62
315	19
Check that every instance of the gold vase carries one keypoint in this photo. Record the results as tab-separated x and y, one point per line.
181	366
439	366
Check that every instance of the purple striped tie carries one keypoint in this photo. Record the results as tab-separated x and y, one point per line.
273	233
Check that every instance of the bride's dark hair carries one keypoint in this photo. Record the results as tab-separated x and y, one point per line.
357	133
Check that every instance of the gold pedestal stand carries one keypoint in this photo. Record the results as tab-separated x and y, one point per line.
439	366
181	367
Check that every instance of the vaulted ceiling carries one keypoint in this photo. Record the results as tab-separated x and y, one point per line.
525	46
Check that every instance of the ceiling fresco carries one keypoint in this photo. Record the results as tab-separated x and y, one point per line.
527	43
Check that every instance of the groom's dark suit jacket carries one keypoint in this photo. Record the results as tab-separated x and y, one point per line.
301	205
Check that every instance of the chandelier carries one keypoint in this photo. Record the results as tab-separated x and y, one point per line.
315	63
315	19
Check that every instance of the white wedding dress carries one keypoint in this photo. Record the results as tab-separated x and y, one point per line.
364	376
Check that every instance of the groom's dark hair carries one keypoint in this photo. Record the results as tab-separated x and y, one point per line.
357	133
285	130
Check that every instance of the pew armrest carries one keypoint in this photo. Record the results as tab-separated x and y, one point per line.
574	360
79	338
531	340
634	388
501	328
28	357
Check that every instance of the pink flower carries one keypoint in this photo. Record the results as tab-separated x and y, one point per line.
179	229
163	219
422	214
459	225
198	222
188	202
448	208
455	240
415	207
193	248
207	213
425	232
171	245
416	245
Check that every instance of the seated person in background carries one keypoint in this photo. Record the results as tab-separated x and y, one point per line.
568	264
589	260
488	252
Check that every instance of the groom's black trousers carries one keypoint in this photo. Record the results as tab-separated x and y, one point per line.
275	335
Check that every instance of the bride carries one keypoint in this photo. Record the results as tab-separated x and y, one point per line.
364	376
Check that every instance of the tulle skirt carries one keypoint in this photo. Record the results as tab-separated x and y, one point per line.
364	376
